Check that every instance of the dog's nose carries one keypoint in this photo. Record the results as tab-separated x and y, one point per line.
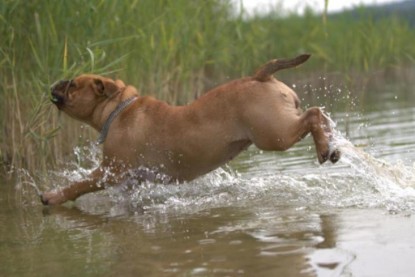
59	85
62	82
57	92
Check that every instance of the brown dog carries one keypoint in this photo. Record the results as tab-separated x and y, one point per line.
180	143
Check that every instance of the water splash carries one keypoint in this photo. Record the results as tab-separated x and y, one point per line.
377	183
29	186
27	191
358	180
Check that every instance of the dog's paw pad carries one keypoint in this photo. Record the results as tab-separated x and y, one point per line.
335	155
323	157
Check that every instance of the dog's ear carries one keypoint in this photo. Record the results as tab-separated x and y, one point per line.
105	88
119	83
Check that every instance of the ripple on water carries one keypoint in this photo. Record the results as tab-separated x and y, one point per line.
358	181
289	178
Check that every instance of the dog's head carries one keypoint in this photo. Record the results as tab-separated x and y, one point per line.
80	96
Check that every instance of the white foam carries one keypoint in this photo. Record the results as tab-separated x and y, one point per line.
359	180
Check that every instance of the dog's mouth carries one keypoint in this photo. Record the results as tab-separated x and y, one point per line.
58	92
58	100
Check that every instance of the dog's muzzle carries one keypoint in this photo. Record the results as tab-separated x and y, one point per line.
58	92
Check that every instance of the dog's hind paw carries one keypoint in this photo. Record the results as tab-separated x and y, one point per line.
334	153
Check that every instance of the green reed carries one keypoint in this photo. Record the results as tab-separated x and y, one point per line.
173	49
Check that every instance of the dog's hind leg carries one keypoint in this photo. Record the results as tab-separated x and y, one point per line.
280	135
319	125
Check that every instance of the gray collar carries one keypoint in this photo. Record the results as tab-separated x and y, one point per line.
104	131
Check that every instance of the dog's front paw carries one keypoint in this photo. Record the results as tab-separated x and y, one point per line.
53	197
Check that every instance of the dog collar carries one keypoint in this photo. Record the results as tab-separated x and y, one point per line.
104	131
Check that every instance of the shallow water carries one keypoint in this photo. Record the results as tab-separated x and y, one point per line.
266	214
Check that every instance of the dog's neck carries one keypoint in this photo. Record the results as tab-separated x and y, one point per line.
111	107
120	107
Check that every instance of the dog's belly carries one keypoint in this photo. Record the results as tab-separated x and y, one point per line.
190	163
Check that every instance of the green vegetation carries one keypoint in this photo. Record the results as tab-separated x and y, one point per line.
173	49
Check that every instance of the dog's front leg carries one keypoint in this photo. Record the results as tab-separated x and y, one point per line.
94	182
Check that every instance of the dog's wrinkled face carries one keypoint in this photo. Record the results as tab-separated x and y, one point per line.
79	97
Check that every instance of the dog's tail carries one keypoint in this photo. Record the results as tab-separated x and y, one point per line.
265	72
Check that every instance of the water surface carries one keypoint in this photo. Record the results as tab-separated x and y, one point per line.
266	214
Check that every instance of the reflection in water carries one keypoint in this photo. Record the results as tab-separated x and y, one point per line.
233	240
267	214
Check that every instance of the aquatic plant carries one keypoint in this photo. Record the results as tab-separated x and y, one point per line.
172	49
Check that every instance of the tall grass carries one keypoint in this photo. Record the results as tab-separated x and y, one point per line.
173	49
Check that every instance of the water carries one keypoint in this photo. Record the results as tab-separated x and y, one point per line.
266	214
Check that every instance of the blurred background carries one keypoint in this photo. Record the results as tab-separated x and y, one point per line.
177	49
